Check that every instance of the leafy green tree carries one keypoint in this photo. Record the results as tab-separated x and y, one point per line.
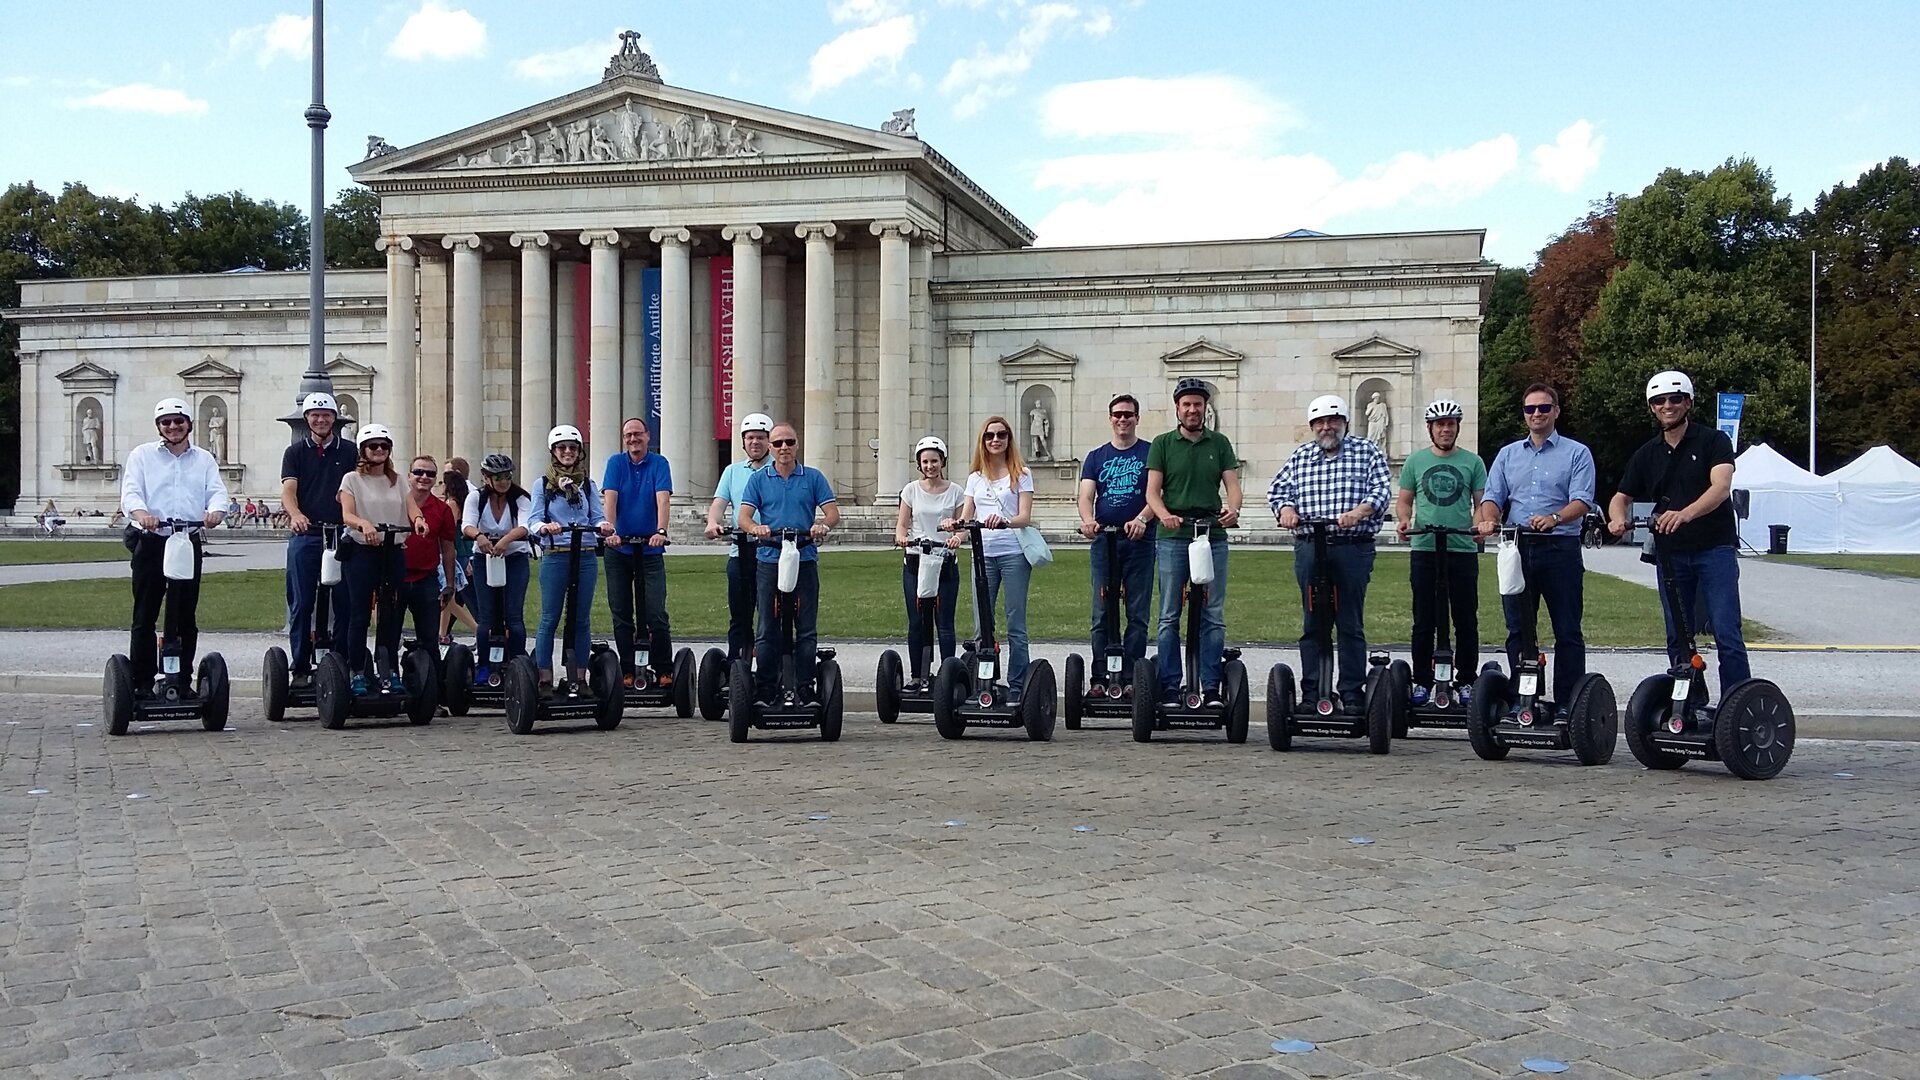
215	233
353	224
1506	346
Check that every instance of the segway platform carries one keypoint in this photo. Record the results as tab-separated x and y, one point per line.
417	698
601	698
1147	715
788	711
172	697
1513	714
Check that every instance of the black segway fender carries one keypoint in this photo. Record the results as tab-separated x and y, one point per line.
887	680
520	687
826	677
740	700
421	677
275	684
1146	688
683	683
1382	689
609	686
1076	689
1754	730
1233	689
949	697
456	680
1280	706
1038	699
212	686
116	694
1402	673
1489	702
713	685
1593	720
1648	711
332	691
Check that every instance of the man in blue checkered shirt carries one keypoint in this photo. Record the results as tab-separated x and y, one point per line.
1342	478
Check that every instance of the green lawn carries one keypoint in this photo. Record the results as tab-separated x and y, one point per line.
861	598
63	550
1899	565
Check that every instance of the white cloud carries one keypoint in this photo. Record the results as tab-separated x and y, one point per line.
583	60
1574	153
286	35
143	98
1210	172
864	12
856	52
436	32
990	73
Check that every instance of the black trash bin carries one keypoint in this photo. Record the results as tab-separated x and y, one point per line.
1777	539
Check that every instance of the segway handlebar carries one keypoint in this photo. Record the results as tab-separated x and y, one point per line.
169	526
1440	530
644	540
573	533
927	545
801	537
968	524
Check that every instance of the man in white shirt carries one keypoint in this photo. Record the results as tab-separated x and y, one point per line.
168	480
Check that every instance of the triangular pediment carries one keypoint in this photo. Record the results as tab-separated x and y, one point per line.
1037	361
629	122
86	371
210	370
341	368
1204	353
1376	348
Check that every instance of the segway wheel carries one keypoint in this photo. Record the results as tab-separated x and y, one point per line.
886	687
211	682
456	680
713	685
1038	698
1076	676
610	687
1146	688
1382	688
332	691
833	700
1647	712
421	678
521	686
1402	673
1233	688
740	700
1280	705
683	683
117	694
1489	702
949	696
1754	730
1593	720
275	684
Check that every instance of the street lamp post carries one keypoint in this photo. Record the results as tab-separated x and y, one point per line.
316	379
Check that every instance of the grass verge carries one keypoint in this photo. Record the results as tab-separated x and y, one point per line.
1898	565
64	550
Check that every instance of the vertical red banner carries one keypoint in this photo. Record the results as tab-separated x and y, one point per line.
722	269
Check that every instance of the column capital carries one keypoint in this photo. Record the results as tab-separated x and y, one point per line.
810	230
525	240
671	236
600	238
902	228
471	241
737	233
403	243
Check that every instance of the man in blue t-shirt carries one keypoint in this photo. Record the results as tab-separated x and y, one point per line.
1113	491
787	495
755	430
634	494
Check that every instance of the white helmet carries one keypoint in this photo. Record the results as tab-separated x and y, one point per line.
1444	409
564	433
373	433
320	401
931	442
756	422
1326	405
172	406
1669	382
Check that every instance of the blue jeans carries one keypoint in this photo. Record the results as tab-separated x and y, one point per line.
1554	572
944	603
1170	566
553	596
303	584
516	603
1136	583
1712	575
1014	572
806	629
1350	566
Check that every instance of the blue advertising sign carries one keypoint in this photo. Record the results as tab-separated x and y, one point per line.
650	323
1728	420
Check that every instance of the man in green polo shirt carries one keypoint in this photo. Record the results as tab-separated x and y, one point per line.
1186	469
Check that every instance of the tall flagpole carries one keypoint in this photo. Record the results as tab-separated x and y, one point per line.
1813	354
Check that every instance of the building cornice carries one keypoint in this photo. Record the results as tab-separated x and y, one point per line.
1038	288
178	308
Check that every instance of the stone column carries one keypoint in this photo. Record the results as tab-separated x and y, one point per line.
566	354
895	404
676	356
633	344
773	333
603	378
469	440
536	345
403	389
749	355
30	500
818	441
960	392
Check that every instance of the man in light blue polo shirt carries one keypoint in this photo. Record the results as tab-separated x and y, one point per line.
1544	482
755	429
787	495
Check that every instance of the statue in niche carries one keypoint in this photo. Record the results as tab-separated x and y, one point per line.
1040	430
523	151
1212	421
216	436
601	147
89	434
1379	419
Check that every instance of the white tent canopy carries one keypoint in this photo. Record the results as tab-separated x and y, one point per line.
1879	502
1872	505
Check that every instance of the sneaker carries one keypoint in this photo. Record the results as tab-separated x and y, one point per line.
1097	690
1212	699
446	639
396	683
1172	699
1560	712
1464	694
546	689
1420	696
1013	699
482	675
359	685
627	680
301	681
1126	691
663	681
1353	703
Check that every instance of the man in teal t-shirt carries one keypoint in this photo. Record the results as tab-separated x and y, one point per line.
1440	486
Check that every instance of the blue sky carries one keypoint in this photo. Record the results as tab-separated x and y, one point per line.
1095	122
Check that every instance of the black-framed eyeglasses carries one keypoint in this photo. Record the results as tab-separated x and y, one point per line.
1124	415
786	442
1534	410
426	474
998	435
1667	399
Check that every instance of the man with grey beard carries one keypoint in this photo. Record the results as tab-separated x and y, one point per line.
1342	478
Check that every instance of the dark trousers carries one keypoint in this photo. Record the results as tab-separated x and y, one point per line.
742	596
1350	567
805	599
373	574
150	587
421	600
303	585
1463	605
485	611
626	575
1136	584
1554	573
944	603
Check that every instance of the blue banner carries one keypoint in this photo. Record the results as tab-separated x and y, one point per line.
650	321
1728	420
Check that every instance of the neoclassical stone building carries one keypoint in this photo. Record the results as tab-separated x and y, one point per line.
639	249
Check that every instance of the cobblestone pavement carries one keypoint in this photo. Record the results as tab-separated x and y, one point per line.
656	902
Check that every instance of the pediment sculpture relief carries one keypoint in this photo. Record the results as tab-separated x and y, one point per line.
630	133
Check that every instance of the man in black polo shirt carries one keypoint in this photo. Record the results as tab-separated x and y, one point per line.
310	473
1687	473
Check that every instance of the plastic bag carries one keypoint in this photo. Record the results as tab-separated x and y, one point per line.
1513	579
496	571
330	566
789	566
1200	561
927	585
1034	546
177	561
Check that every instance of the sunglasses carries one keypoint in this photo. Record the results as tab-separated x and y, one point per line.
1667	399
786	442
174	421
426	474
492	477
997	435
380	446
1124	416
1535	410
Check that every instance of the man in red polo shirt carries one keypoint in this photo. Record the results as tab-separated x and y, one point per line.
429	583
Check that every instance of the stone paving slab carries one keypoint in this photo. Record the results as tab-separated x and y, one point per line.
657	902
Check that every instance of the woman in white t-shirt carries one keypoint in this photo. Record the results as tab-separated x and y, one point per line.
1000	494
925	505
